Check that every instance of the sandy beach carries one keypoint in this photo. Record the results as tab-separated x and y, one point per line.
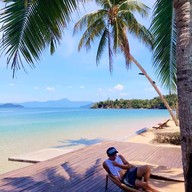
149	135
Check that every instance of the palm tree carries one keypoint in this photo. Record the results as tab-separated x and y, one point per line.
183	11
20	40
111	24
30	26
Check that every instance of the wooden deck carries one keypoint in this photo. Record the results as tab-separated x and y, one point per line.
82	170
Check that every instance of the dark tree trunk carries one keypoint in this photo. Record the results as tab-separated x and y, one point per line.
183	10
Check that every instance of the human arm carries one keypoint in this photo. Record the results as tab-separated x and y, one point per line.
125	164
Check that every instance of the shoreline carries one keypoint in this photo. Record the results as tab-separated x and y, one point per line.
63	131
148	136
145	137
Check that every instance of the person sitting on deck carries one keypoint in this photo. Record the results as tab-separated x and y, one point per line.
126	173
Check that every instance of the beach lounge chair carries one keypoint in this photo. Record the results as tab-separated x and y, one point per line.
167	177
161	125
116	181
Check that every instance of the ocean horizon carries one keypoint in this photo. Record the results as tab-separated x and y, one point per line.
24	130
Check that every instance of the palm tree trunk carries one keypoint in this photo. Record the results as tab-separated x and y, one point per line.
156	88
183	10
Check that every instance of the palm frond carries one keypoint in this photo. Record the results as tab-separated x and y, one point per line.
110	53
124	43
106	4
115	33
134	6
30	26
138	30
102	45
164	55
117	16
89	19
92	31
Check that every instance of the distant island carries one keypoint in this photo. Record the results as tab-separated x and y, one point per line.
154	103
62	103
10	105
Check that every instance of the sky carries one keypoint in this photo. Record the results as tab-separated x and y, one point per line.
74	75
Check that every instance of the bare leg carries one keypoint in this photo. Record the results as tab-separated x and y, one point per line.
144	171
145	185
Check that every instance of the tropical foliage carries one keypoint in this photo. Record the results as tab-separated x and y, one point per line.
110	25
183	12
30	26
163	28
154	103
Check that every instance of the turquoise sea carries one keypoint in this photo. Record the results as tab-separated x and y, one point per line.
30	129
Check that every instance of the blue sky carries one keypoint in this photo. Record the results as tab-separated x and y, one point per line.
74	75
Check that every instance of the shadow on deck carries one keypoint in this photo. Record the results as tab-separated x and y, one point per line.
82	171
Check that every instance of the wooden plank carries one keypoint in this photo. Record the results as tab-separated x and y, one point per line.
81	170
38	156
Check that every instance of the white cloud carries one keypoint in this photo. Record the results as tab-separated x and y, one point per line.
118	87
50	88
11	84
36	88
82	86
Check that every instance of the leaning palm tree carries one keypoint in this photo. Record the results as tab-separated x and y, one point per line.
111	24
162	15
30	26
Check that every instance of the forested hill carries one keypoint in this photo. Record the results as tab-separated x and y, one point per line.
154	103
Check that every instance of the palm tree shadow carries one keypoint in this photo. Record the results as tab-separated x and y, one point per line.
64	177
76	142
73	174
59	178
93	169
